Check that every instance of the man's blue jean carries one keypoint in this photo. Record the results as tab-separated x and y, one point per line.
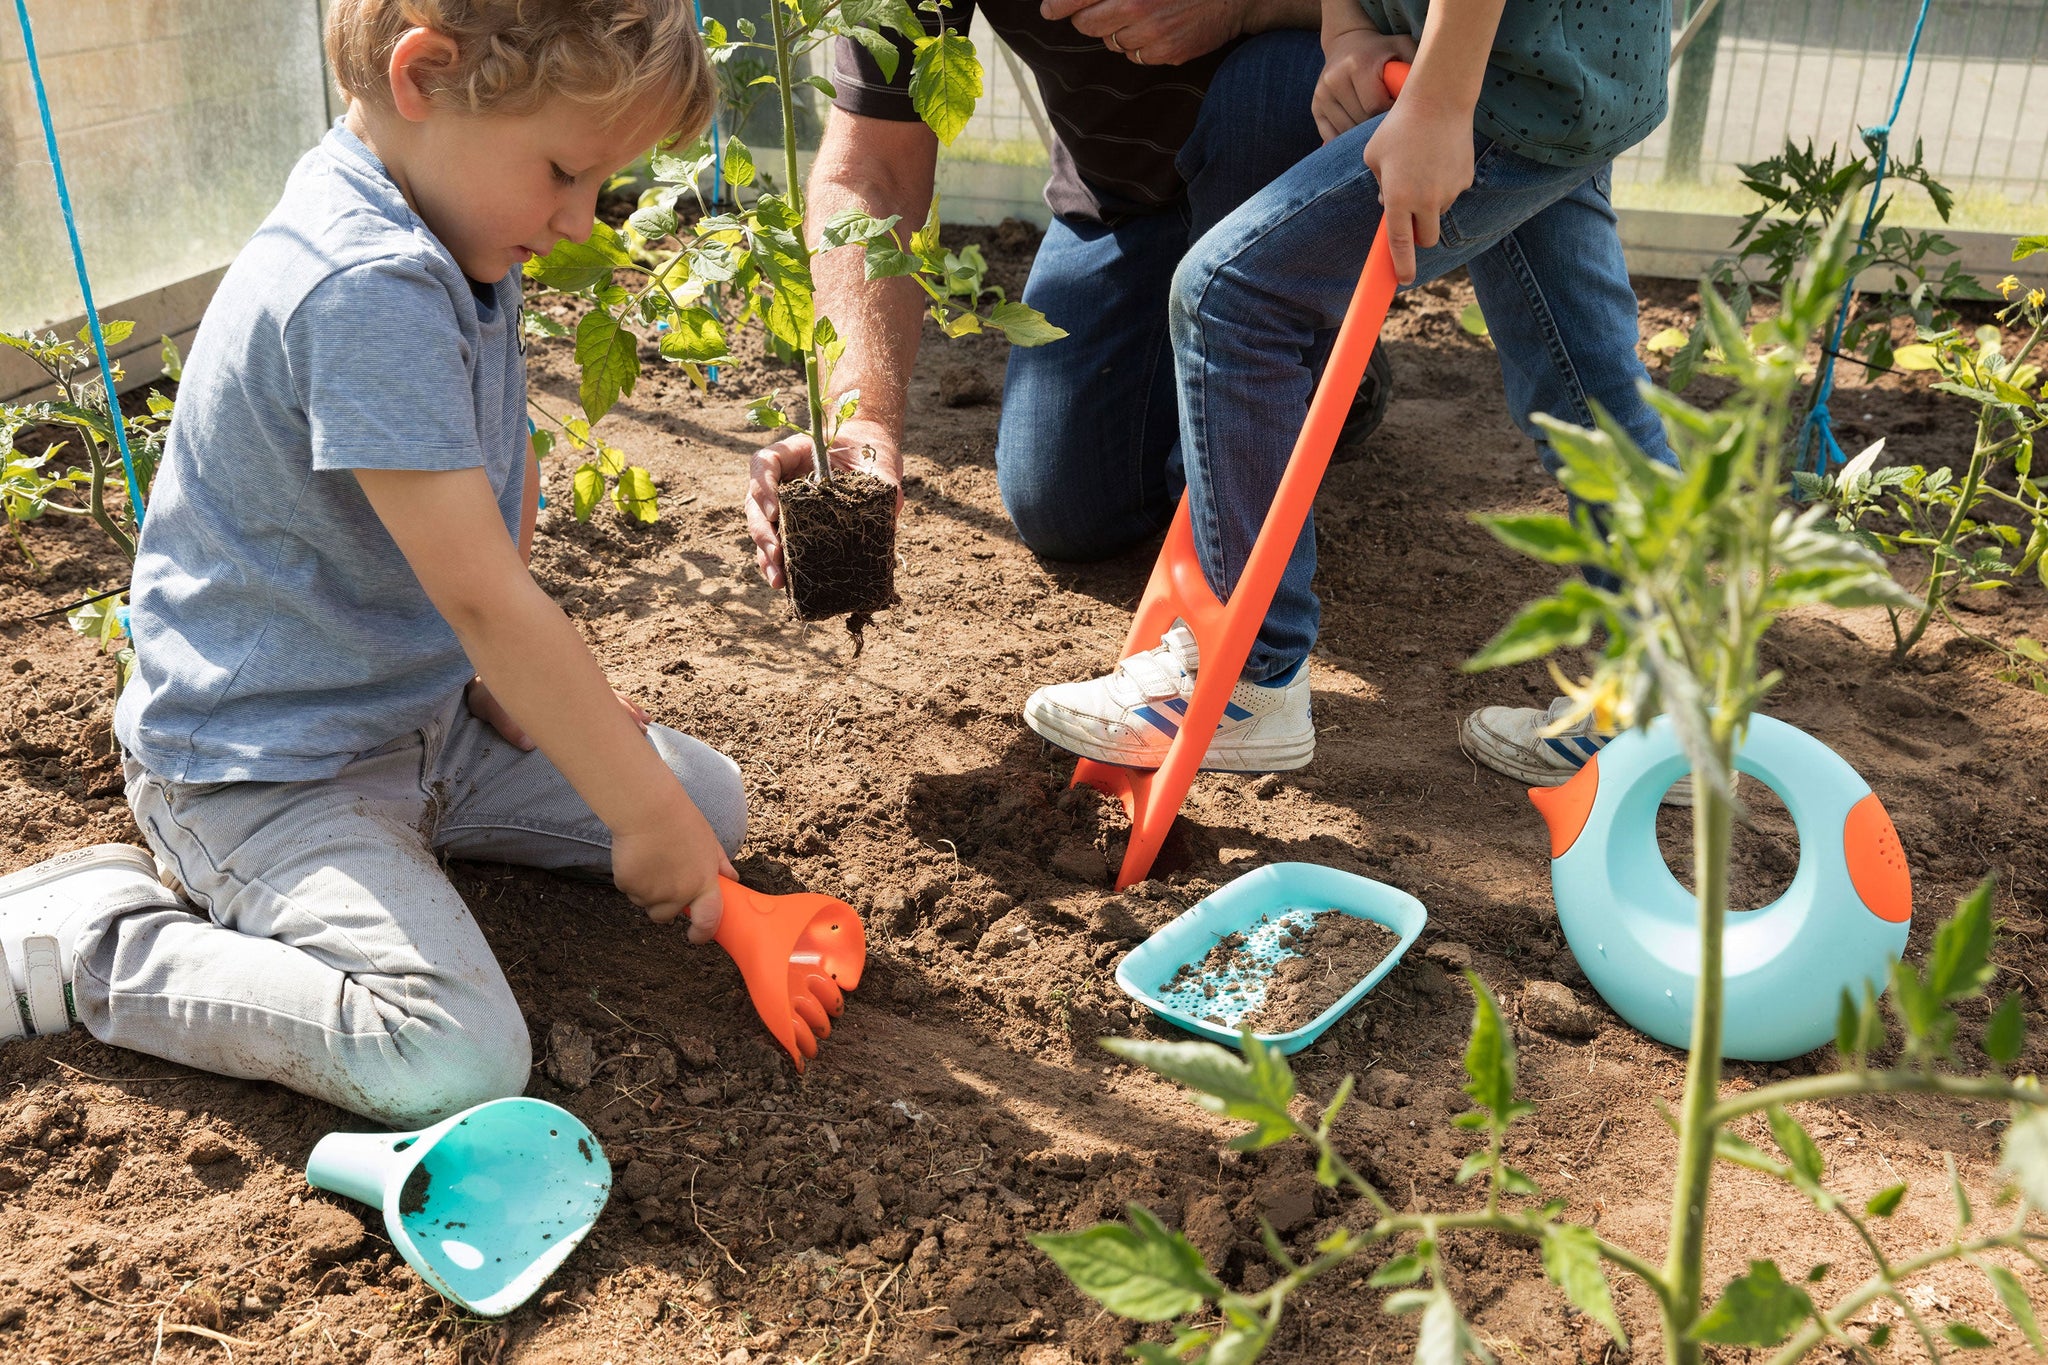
1088	455
1088	461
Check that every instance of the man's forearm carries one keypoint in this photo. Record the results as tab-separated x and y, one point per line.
879	320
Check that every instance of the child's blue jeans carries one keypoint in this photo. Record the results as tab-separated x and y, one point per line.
1250	298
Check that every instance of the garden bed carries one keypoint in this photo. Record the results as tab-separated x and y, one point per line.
878	1208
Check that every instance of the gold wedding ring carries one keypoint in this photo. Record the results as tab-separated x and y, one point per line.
1114	46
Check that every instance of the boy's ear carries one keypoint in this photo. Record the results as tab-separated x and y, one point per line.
418	61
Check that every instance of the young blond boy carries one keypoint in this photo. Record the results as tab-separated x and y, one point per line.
343	668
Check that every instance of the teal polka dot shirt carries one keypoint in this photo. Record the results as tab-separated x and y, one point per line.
1569	82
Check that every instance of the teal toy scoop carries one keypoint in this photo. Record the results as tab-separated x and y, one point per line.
485	1205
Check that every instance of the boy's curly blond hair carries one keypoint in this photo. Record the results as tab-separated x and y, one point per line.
514	55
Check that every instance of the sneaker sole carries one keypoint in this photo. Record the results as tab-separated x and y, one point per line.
1277	760
80	860
1474	742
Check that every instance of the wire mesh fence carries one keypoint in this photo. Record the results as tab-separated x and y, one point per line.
1765	71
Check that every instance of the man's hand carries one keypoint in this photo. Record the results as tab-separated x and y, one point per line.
492	712
1422	157
1350	90
857	445
670	865
1155	32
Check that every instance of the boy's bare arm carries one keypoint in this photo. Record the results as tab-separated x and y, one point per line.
448	526
884	168
529	515
1422	152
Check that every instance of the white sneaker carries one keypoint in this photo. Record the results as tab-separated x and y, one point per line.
41	909
1130	716
1517	741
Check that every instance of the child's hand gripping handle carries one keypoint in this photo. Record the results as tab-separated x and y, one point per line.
798	955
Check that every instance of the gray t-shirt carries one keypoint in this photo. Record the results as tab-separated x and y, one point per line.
1569	82
278	630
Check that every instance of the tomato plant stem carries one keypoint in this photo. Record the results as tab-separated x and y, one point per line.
1711	823
821	464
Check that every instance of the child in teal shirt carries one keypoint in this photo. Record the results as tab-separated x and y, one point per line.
1497	158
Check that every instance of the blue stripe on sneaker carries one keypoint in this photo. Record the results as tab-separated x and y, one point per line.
1566	752
1159	721
1589	746
1231	710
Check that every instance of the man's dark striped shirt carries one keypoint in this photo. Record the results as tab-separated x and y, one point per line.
1116	125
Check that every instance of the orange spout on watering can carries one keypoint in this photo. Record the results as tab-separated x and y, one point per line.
1224	631
799	955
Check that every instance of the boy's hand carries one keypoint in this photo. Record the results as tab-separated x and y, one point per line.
1422	156
1350	90
857	445
669	865
492	712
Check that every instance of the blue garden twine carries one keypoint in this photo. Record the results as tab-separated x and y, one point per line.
92	314
1817	433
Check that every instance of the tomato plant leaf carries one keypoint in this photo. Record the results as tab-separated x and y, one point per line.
1960	964
1255	1087
2006	1033
1540	628
1490	1058
609	357
696	335
1143	1271
1797	1145
585	488
1403	1269
1756	1309
2026	1155
1886	1201
1023	324
1571	1258
633	494
2018	1306
945	83
574	267
1964	1337
1551	539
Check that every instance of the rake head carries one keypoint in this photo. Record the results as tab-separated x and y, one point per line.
799	955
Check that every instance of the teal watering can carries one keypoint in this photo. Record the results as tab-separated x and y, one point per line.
484	1205
1635	931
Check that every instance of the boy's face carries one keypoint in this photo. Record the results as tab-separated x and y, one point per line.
499	189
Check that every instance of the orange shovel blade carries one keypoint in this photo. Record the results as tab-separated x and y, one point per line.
798	955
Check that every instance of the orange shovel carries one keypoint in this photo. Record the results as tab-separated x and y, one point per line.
798	955
1225	630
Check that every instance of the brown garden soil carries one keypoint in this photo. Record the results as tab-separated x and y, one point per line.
877	1208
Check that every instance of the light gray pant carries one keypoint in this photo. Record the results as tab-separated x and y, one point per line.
337	959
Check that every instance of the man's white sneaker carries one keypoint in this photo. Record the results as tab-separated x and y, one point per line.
1130	716
41	909
1517	742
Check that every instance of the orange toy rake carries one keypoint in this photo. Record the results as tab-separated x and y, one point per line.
799	955
1225	630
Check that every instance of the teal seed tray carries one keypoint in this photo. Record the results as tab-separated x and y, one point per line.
1263	906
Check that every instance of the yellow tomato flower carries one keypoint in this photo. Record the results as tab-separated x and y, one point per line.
2007	285
2035	298
1599	698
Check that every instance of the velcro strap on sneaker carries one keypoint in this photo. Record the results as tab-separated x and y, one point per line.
1186	651
44	970
1151	674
